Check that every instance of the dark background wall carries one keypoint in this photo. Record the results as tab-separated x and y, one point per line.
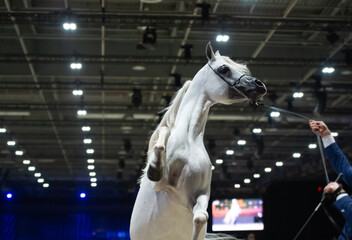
287	205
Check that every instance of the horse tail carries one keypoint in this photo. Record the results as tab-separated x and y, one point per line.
220	236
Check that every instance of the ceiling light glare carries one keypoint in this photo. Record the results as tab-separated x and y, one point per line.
9	195
82	112
219	161
87	141
93	184
212	168
40	180
45	185
274	114
2	130
85	128
230	152
328	70
257	130
82	195
37	174
77	92
312	146
69	26
11	143
90	167
267	169
76	65
93	179
296	155
31	168
298	95
90	151
256	175
26	162
247	180
19	153
237	185
241	142
91	160
92	174
334	134
279	164
222	38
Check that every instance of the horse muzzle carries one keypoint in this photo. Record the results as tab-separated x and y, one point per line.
252	87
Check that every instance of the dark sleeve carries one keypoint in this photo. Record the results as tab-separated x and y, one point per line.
339	162
344	205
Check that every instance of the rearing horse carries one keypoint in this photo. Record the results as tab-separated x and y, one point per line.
174	192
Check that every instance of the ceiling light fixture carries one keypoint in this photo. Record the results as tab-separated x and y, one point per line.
296	155
267	169
85	128
69	26
279	164
219	161
328	70
257	130
297	94
222	38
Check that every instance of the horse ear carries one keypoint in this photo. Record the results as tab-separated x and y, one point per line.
209	52
217	53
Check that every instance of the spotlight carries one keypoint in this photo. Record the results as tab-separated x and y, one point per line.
91	160
296	155
11	143
26	162
328	70
81	112
256	175
85	128
9	195
90	151
19	153
222	38
87	141
279	164
93	184
267	169
92	174
247	180
297	94
69	26
93	179
219	161
312	146
46	185
230	152
237	185
334	134
31	168
37	174
257	130
274	114
40	180
241	142
77	92
76	66
82	195
2	130
90	167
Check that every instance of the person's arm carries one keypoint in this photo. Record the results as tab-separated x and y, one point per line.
335	156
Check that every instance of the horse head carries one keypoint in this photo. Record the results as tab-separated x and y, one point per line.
241	85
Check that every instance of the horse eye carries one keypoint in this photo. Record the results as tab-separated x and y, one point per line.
223	69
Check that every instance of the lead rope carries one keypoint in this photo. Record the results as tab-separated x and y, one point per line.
333	222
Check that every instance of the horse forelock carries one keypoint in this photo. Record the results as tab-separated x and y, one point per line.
240	66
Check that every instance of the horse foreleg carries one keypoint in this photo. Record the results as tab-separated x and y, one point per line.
200	215
155	169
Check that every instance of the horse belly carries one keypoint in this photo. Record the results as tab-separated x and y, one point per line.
159	216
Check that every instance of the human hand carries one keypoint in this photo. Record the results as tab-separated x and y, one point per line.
332	187
319	126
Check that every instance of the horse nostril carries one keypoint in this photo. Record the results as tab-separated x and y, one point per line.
259	83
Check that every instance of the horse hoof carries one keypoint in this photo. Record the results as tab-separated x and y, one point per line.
154	174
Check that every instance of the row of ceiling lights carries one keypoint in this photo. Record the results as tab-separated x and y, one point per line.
30	168
257	175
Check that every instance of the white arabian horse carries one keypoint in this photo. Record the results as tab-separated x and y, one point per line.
174	192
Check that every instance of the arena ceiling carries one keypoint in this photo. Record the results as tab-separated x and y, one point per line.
134	56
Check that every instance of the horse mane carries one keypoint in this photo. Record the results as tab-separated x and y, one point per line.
240	66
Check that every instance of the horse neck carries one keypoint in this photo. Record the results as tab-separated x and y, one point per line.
193	112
